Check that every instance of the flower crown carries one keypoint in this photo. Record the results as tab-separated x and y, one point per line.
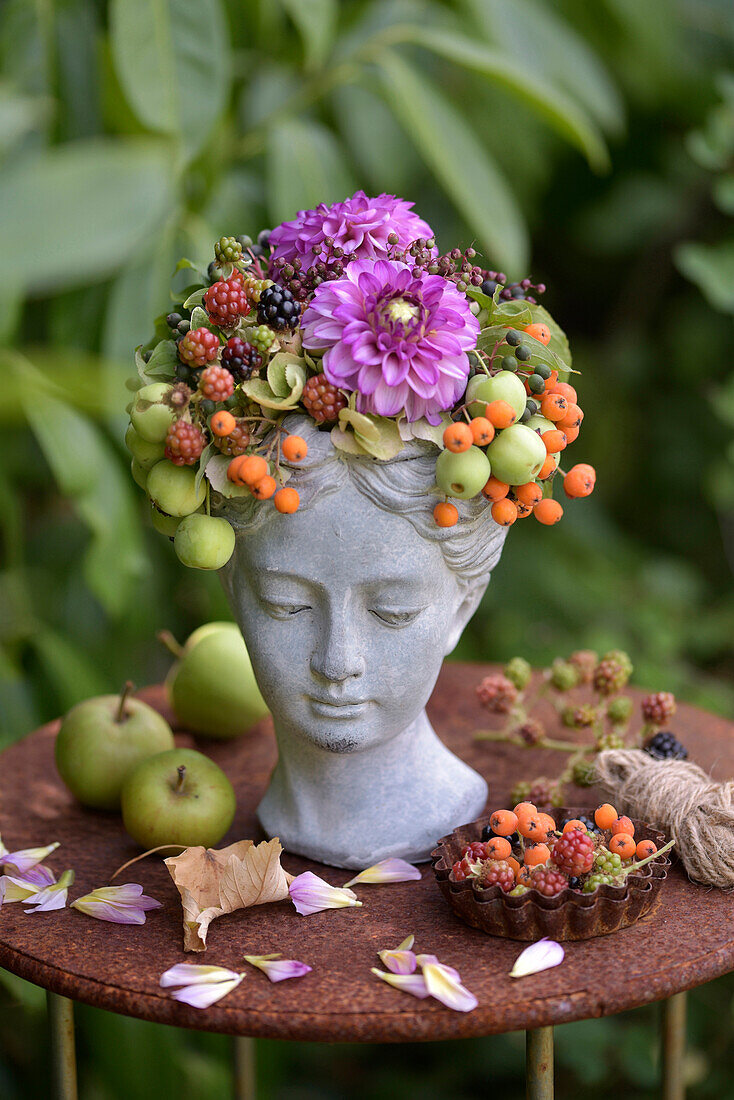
350	314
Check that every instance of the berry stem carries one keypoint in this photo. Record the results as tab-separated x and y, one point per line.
124	695
150	852
649	859
170	643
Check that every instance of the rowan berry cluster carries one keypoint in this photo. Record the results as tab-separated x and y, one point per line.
524	849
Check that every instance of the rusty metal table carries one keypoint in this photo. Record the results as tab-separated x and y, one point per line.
687	940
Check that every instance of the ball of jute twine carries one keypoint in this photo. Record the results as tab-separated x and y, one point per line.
681	799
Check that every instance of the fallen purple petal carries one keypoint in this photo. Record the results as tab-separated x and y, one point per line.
387	870
407	983
541	955
206	994
25	858
117	904
51	897
278	970
442	983
310	894
195	974
20	888
401	960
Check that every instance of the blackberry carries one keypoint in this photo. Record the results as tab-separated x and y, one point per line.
548	882
227	250
216	383
184	443
496	872
198	347
322	400
583	774
664	746
531	731
573	853
544	793
612	672
226	302
658	707
585	661
241	359
497	693
237	442
619	709
256	287
575	883
278	308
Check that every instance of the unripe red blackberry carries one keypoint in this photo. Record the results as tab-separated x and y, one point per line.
609	740
216	383
225	302
241	359
497	693
322	400
584	661
237	442
496	872
658	707
573	853
612	672
545	792
548	882
184	443
198	347
532	731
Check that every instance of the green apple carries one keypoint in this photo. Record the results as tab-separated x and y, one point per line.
147	454
173	488
150	417
180	797
212	687
504	386
539	423
140	474
462	475
165	525
204	542
516	454
101	740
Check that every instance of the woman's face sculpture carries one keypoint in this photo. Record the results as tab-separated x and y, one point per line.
348	613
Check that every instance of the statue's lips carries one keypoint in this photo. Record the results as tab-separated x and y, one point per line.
338	708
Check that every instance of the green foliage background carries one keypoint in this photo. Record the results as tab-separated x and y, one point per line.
591	145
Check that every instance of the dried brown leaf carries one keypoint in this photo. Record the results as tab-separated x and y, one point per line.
213	882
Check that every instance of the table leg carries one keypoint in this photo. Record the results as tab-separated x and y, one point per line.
539	1064
63	1054
674	1046
245	1081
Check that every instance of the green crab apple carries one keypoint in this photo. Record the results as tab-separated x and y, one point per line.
180	797
539	423
150	417
101	740
146	454
212	687
140	474
516	454
504	386
462	475
165	525
204	542
173	488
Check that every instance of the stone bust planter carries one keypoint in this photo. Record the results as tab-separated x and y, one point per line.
348	609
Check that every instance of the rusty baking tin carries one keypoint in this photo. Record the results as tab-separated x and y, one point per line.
568	916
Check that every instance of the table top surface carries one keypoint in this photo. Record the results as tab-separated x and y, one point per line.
688	938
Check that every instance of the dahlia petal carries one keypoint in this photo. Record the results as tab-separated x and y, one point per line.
541	955
401	960
415	984
202	996
195	974
387	870
443	984
278	970
310	894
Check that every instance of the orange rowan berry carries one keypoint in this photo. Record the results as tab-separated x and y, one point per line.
548	467
495	489
571	434
553	406
523	510
234	470
623	845
523	877
565	389
514	864
253	469
573	418
535	854
500	414
575	825
531	827
223	423
503	822
554	439
294	448
529	493
646	848
504	512
482	431
540	331
458	437
547	822
446	514
264	488
286	501
580	480
498	848
551	382
623	825
605	815
524	808
548	512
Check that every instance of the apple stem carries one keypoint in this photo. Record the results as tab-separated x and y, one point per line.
181	769
142	855
120	716
170	643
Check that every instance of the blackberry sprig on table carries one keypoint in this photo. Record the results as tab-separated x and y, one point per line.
665	746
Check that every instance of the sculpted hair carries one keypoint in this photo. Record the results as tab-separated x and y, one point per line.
404	486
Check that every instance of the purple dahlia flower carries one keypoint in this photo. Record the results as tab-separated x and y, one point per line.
359	225
398	339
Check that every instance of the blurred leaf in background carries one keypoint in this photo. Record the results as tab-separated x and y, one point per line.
591	146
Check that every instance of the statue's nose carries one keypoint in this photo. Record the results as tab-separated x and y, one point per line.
338	656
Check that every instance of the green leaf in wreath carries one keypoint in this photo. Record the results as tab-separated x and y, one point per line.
388	443
287	375
215	470
346	442
366	426
199	318
196	298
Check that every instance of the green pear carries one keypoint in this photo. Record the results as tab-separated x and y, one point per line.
101	740
180	797
212	687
